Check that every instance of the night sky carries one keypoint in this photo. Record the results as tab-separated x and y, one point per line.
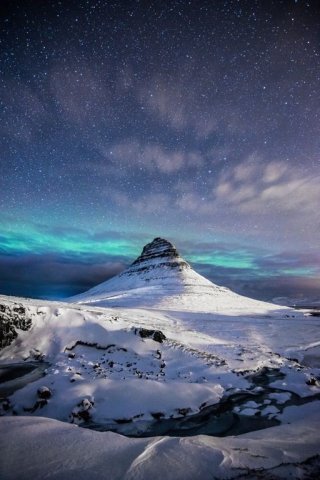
198	121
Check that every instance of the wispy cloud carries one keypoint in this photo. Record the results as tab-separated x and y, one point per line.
173	103
253	194
150	156
270	200
144	204
255	187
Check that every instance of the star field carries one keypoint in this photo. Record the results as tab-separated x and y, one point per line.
195	121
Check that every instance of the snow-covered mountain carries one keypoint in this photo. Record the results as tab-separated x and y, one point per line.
158	351
161	278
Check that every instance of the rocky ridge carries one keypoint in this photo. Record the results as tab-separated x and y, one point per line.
157	254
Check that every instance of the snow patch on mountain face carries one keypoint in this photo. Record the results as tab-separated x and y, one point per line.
160	278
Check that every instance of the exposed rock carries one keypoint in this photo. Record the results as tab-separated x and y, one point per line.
157	254
5	406
202	406
13	317
123	420
313	382
36	354
89	344
44	392
156	335
20	310
39	404
82	412
75	377
157	415
184	411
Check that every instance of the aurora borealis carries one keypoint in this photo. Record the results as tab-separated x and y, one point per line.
195	121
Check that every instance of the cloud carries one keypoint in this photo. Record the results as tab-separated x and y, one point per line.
53	275
136	155
292	275
274	203
291	263
254	187
193	203
146	204
176	104
291	287
274	171
255	197
263	284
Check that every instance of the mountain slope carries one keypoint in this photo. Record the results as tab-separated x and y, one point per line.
161	278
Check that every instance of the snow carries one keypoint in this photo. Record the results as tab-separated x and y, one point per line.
280	397
270	410
216	357
57	450
206	356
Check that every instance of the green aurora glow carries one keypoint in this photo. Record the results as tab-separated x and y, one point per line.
233	259
39	240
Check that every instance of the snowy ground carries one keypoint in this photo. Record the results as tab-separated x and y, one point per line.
57	450
129	369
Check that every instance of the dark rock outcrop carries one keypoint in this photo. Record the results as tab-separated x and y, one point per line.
44	392
155	335
12	317
157	254
82	412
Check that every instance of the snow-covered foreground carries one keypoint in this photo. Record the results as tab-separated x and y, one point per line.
41	448
133	370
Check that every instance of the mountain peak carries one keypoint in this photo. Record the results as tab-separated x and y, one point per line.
158	253
158	248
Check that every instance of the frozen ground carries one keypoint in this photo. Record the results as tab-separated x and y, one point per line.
145	371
